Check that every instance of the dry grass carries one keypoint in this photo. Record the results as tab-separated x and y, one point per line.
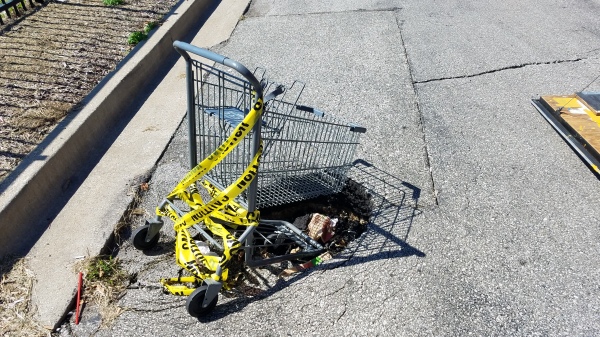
105	283
138	187
16	310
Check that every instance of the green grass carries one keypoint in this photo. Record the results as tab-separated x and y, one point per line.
106	270
139	36
150	26
12	12
112	2
136	37
105	282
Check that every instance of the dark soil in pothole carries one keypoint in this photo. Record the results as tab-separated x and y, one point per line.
352	207
52	57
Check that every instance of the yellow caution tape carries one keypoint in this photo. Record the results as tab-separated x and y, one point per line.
228	145
233	214
221	200
220	209
180	290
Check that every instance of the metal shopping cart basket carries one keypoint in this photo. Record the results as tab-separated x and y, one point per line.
257	150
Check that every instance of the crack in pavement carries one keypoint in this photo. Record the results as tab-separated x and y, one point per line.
518	66
359	10
342	314
360	286
336	291
178	305
421	124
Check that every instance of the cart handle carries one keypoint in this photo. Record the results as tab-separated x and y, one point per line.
185	48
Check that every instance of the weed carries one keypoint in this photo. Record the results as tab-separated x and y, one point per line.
150	26
13	12
107	271
112	2
105	282
136	37
139	36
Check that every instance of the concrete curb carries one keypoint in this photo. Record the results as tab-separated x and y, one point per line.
43	175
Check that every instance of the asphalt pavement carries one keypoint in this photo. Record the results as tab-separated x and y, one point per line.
485	218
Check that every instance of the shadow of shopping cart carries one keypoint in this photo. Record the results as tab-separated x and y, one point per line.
394	210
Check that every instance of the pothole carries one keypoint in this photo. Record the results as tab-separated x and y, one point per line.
350	209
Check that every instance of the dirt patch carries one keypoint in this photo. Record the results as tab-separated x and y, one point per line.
52	57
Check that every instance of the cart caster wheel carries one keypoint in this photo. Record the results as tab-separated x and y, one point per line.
139	238
194	303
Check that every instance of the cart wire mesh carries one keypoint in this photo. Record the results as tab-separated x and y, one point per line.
305	152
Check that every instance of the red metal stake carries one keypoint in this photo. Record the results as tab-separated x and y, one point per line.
78	307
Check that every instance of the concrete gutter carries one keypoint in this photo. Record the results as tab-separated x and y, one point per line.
86	222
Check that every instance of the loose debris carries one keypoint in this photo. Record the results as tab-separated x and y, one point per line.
307	265
334	221
321	227
137	188
104	283
350	210
16	310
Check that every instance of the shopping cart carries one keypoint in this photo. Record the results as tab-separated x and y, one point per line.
234	126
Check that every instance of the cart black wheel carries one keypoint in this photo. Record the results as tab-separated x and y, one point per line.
139	238
195	300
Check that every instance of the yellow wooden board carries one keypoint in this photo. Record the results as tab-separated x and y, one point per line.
581	117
